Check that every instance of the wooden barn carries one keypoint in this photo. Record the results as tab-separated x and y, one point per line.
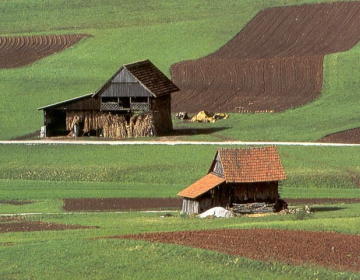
135	101
236	176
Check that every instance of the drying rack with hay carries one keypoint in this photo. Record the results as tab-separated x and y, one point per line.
111	125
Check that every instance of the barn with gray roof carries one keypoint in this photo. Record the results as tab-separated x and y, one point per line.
135	101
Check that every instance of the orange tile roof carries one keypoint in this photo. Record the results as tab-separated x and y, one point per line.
201	186
251	165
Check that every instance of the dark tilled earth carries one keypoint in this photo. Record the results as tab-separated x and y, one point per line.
327	249
120	204
274	63
351	136
21	226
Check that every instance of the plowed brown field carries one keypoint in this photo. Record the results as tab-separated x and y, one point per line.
351	136
121	204
35	226
274	63
332	250
24	50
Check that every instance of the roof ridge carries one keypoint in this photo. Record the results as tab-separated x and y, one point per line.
137	62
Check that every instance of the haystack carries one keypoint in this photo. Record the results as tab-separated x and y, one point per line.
111	125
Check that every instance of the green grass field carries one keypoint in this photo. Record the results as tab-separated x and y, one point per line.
72	254
46	174
164	32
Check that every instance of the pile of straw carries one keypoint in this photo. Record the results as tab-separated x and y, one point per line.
112	125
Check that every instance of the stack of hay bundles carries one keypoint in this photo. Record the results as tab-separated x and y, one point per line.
112	125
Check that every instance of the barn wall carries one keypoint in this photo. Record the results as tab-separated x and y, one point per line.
124	76
88	103
190	206
126	90
254	192
161	108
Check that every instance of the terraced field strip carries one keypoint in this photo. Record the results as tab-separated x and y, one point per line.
327	249
19	224
24	50
274	63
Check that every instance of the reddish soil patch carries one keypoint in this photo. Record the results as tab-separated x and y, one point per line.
24	50
351	136
35	226
274	63
120	204
333	250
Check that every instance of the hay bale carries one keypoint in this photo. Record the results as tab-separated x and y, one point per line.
112	125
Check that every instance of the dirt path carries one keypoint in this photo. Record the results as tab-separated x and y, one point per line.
168	143
332	250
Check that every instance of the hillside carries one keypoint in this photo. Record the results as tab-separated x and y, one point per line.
165	33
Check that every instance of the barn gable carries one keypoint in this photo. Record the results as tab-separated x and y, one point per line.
142	79
216	167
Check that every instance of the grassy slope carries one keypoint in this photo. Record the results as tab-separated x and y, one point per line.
165	33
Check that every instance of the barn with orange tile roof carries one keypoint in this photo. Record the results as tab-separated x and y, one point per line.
237	176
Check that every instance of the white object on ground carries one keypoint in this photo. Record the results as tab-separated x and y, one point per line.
218	212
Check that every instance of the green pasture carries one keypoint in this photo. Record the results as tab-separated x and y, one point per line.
166	32
45	174
74	254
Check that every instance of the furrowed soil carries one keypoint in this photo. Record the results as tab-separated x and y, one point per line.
327	249
351	136
126	204
121	204
274	63
24	50
21	226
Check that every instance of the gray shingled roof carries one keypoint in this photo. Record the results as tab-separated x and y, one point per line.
149	76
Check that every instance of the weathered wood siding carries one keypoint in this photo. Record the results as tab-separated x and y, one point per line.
82	104
217	167
161	108
247	192
126	90
190	206
226	194
124	76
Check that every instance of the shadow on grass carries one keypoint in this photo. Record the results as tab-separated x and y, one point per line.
195	131
31	136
